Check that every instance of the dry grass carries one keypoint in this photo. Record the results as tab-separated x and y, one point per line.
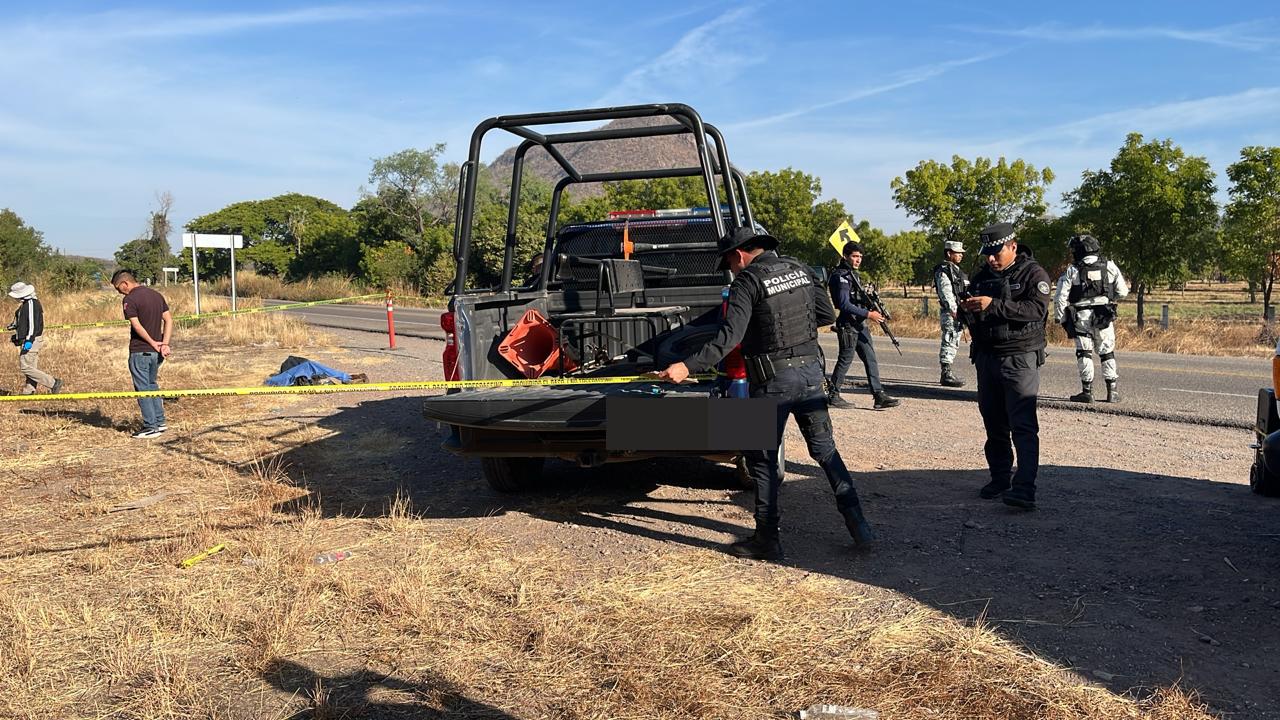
253	285
98	620
103	305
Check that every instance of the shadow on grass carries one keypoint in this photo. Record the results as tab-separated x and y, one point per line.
375	696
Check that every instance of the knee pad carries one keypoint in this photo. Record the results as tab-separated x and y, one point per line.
1084	353
814	424
1107	356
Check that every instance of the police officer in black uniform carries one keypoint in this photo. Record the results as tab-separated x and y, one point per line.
851	301
775	308
1005	311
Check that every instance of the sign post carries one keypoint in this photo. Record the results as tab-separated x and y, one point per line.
166	271
201	240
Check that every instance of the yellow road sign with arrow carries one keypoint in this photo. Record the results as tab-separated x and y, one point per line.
843	234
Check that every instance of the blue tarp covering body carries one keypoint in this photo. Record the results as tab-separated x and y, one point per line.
310	370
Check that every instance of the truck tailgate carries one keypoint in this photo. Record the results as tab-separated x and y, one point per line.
535	409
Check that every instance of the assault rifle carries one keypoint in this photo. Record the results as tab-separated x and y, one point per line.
873	301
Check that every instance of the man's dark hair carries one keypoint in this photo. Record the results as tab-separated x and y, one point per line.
850	247
123	274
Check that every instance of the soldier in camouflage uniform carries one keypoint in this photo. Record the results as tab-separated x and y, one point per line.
950	282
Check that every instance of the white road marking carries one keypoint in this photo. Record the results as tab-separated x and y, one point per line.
1207	392
913	367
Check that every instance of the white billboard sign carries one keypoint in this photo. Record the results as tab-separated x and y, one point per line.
203	240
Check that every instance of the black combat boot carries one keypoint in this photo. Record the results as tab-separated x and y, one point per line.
1113	395
1085	395
834	400
762	545
949	378
859	528
884	401
993	489
1020	497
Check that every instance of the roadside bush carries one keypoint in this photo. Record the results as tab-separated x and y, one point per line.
390	265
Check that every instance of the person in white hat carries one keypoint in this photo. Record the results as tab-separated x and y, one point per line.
28	328
950	282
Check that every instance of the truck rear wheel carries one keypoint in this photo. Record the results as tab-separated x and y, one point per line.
1261	480
512	474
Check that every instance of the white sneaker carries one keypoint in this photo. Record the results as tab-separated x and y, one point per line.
145	433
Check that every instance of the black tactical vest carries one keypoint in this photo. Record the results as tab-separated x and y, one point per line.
1092	281
959	281
784	317
986	327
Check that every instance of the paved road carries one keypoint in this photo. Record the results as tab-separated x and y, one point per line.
1215	390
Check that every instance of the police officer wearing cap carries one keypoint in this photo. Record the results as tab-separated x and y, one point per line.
1006	312
950	282
775	309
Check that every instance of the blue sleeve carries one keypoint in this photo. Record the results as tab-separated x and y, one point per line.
840	297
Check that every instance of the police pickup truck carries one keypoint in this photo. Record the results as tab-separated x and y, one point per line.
623	296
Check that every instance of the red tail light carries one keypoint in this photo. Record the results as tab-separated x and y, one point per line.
450	359
734	366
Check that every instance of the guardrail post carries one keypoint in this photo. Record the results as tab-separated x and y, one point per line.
924	305
1164	316
1270	313
391	321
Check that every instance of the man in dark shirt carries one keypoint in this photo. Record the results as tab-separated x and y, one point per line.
150	326
774	310
1006	311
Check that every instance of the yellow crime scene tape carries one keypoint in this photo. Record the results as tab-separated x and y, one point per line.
326	389
221	313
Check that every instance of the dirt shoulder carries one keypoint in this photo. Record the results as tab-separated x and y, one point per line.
1148	564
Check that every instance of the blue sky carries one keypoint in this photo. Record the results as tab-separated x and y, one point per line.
106	105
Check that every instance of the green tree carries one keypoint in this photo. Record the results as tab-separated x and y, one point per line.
786	204
1251	223
22	248
390	264
275	231
891	259
329	245
146	254
1149	208
416	189
489	228
1047	238
954	202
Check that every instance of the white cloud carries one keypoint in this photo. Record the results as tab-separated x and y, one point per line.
905	78
114	26
699	57
1253	36
1215	111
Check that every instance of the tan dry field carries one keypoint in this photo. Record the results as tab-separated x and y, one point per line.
437	613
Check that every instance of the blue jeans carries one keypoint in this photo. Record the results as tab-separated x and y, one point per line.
143	368
799	392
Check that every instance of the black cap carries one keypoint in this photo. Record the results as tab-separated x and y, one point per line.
994	237
743	236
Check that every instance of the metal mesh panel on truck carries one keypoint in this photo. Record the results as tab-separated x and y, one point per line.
604	240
